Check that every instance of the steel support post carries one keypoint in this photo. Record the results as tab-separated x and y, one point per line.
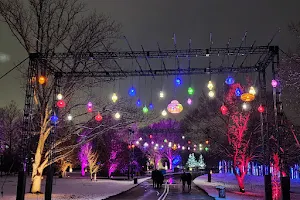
27	125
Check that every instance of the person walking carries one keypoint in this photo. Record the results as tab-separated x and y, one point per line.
189	181
183	180
154	177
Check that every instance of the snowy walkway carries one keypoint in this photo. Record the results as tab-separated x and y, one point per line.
254	186
75	189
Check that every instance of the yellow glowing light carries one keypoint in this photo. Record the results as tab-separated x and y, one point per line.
211	94
175	107
59	97
42	80
161	94
252	90
114	97
210	85
247	97
117	115
164	113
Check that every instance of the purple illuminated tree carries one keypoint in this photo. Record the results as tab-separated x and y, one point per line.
83	156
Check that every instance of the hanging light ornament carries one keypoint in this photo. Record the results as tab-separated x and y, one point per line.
145	109
98	117
229	80
191	91
164	113
42	80
210	85
114	97
238	92
247	97
117	115
252	90
59	96
138	103
274	83
175	107
161	94
61	103
211	94
261	109
178	81
245	106
146	144
189	101
69	117
90	107
132	92
224	109
54	119
151	106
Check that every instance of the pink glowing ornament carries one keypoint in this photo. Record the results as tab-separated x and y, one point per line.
90	107
224	109
175	107
61	103
261	109
189	101
274	83
98	117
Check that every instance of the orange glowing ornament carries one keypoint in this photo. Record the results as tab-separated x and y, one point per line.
247	97
175	107
42	80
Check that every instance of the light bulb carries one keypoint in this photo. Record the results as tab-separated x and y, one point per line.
211	94
191	91
210	85
189	101
145	109
245	106
164	113
161	94
252	90
114	97
59	97
117	115
69	117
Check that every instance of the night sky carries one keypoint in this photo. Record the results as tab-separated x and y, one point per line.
148	22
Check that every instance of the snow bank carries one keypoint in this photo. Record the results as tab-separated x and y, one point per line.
254	186
75	189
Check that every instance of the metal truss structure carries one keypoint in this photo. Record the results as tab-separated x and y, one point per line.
48	64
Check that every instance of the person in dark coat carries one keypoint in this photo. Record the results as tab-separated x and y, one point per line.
160	179
183	180
189	181
154	178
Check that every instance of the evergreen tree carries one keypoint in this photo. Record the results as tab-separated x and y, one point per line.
201	163
192	162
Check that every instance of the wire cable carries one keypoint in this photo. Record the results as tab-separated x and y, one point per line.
12	69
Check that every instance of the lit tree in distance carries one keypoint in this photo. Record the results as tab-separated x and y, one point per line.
201	163
93	163
83	156
192	162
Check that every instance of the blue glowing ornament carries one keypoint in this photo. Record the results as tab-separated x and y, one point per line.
54	119
138	103
229	80
151	106
132	92
178	81
238	92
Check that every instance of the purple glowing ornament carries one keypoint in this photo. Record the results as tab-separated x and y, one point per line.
274	83
189	101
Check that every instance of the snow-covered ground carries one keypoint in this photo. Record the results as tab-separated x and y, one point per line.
71	188
254	186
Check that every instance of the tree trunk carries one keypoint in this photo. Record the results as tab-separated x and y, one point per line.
170	163
95	176
36	184
82	170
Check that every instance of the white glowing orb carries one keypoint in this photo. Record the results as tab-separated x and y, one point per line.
59	97
211	94
164	113
161	94
117	115
69	117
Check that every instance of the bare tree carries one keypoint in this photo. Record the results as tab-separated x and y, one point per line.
93	163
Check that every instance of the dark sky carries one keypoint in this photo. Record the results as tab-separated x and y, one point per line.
147	22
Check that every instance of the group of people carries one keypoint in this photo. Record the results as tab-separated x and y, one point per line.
186	178
158	178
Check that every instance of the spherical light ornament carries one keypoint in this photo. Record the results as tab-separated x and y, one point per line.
178	81
238	92
98	117
183	147
132	92
89	104
274	83
138	103
114	97
145	109
54	119
161	94
59	97
89	109
247	97
191	91
165	140
182	137
164	113
210	85
189	101
61	103
146	144
252	90
175	107
245	106
206	148
229	80
151	107
117	115
69	117
211	94
42	80
224	109
261	109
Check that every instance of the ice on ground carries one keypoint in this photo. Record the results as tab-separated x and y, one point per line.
254	186
71	188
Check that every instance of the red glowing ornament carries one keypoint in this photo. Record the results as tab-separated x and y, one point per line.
189	142
150	136
61	103
90	109
98	117
261	109
224	109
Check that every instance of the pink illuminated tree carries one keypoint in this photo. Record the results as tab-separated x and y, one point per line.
83	156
